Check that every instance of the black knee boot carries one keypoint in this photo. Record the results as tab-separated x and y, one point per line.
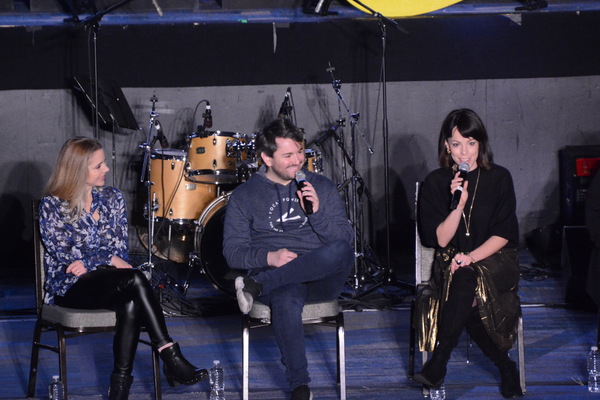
455	313
178	370
510	385
119	386
127	334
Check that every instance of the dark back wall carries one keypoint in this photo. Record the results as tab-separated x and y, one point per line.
528	45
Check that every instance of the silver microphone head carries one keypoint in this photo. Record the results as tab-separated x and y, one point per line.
464	167
300	175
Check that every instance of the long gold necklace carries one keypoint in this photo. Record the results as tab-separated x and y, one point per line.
468	224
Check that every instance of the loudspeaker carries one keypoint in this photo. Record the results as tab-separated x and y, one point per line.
576	251
577	167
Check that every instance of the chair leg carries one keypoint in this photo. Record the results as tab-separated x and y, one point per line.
35	353
521	350
341	355
245	355
411	342
62	358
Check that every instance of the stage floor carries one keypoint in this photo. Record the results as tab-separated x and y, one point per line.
557	339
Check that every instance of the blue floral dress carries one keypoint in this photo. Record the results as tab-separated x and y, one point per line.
93	242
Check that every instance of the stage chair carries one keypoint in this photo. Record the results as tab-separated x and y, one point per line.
326	313
423	262
67	323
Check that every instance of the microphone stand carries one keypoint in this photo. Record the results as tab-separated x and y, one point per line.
94	22
385	127
151	204
170	294
360	271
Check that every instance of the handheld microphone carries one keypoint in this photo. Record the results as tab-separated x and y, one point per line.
301	181
164	143
463	169
207	117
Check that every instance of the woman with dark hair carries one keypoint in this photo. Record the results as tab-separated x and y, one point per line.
475	270
83	225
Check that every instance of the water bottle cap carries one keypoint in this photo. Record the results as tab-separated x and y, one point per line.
55	377
215	362
594	348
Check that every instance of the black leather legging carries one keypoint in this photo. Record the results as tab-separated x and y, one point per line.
129	294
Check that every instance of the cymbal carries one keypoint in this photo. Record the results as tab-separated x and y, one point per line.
402	8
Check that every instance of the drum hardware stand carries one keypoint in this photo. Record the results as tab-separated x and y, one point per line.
359	276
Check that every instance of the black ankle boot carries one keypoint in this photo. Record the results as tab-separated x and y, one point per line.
510	384
178	370
119	386
434	370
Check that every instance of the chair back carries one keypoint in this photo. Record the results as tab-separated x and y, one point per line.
423	255
38	250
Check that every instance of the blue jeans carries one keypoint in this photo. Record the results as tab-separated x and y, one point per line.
316	276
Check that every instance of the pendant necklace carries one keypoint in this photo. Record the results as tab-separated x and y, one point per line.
468	224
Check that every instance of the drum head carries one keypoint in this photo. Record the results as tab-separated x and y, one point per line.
209	244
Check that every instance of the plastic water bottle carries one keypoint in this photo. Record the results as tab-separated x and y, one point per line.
593	375
437	394
217	386
56	389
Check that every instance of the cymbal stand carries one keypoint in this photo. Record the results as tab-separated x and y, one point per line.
360	270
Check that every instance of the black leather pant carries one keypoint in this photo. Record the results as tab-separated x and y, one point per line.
129	294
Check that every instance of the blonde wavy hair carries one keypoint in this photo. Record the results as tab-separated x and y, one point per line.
67	181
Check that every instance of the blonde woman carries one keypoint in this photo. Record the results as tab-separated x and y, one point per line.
83	226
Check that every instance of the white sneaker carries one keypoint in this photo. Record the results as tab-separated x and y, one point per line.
245	299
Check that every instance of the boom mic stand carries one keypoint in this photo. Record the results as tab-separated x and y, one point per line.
170	293
94	22
385	127
359	277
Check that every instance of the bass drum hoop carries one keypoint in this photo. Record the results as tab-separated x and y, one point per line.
209	246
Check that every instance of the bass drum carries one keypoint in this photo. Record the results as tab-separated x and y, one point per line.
209	246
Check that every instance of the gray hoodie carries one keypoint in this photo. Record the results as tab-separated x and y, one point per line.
264	216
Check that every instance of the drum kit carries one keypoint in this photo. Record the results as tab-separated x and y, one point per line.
188	191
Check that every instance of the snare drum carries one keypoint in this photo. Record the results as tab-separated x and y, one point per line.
213	157
178	199
314	163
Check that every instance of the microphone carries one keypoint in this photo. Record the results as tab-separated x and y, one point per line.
463	169
207	117
164	143
158	9
284	110
301	181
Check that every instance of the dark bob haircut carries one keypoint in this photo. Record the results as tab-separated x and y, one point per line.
469	125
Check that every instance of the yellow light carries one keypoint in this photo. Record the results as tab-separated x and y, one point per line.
403	8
